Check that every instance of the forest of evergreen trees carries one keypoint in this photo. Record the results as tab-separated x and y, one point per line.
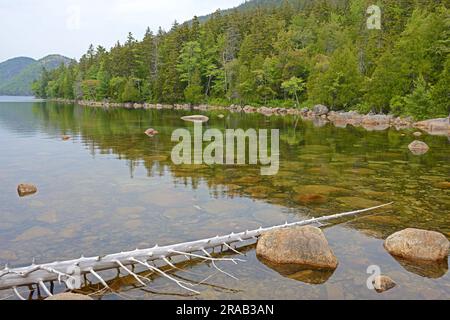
298	53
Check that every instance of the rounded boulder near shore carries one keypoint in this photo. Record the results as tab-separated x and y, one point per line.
416	244
302	246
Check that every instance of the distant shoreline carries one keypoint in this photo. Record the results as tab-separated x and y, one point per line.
7	98
319	115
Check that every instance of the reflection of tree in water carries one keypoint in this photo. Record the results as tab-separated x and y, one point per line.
366	166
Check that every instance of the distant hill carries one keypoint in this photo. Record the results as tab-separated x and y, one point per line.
13	67
17	75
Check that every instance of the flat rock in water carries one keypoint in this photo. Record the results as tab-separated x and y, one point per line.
300	273
416	244
418	148
26	189
196	118
383	283
151	132
302	246
69	297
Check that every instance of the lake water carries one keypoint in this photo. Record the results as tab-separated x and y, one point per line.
111	188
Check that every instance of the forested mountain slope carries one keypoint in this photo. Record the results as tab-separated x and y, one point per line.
18	74
298	52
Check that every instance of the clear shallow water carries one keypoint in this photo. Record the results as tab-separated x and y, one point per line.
111	188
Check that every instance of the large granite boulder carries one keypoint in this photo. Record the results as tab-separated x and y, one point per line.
302	246
416	244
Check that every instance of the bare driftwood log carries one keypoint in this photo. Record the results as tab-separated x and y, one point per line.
67	271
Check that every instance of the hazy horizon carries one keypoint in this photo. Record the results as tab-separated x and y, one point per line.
67	27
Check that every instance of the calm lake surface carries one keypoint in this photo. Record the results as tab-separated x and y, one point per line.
111	188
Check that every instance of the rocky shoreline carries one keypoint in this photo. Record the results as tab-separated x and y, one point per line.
320	115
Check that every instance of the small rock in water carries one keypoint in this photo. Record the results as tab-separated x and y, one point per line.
26	189
416	244
418	148
69	297
383	284
66	138
305	246
417	134
221	116
195	118
151	132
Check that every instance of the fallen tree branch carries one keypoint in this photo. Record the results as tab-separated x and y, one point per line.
58	271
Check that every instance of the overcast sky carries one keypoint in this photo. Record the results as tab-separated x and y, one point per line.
38	28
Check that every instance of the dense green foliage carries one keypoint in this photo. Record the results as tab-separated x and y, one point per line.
298	52
17	75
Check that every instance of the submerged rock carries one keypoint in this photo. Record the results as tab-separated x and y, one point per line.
34	233
300	273
416	244
320	189
358	203
418	147
417	134
69	297
383	283
426	269
26	189
195	118
260	191
306	199
301	246
443	185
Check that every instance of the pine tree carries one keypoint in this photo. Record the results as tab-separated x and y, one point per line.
130	92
